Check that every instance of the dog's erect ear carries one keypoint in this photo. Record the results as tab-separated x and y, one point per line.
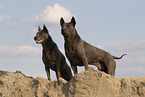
73	21
45	29
39	29
61	21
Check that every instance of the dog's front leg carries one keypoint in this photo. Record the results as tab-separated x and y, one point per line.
85	62
83	57
48	72
58	74
81	51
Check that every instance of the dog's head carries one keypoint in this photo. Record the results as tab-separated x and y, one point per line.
68	29
41	35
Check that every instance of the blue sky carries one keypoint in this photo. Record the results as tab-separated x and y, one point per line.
117	26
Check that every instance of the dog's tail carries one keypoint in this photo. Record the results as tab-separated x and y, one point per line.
119	57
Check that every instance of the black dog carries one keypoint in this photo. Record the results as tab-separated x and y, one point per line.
52	57
81	53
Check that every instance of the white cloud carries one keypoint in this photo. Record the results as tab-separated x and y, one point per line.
1	7
51	14
133	63
8	51
33	32
129	46
10	24
135	52
27	51
4	17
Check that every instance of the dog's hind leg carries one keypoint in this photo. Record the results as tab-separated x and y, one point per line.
58	74
101	66
67	74
74	68
57	71
111	72
111	65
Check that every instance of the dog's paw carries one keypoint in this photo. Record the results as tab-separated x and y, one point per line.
61	81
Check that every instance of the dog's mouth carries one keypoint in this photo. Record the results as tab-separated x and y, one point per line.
65	35
39	41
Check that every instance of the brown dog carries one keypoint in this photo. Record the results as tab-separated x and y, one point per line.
52	57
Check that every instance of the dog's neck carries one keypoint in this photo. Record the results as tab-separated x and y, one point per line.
72	39
48	44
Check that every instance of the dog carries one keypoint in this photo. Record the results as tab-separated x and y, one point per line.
81	53
52	57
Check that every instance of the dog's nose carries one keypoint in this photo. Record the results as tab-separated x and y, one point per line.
64	28
35	38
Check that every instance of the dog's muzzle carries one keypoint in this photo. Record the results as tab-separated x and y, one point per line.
35	38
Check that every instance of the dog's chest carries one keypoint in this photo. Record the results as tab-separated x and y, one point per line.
73	56
70	51
49	59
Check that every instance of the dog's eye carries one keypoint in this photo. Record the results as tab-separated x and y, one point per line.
63	26
41	34
68	26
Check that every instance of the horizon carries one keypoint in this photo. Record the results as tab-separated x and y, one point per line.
117	27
